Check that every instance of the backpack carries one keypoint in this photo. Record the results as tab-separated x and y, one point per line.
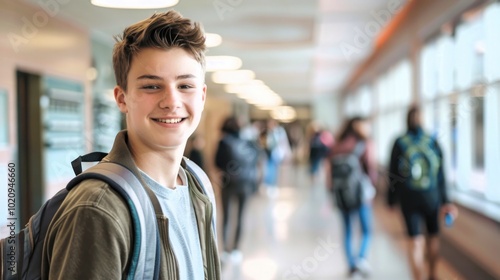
419	163
317	148
348	178
238	158
21	254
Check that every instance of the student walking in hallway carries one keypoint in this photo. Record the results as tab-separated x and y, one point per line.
351	175
417	182
237	159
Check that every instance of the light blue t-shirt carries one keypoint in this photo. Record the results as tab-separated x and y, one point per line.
183	231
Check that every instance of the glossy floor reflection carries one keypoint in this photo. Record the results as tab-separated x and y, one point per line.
296	234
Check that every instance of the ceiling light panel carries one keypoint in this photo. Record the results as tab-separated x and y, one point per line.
212	40
222	63
233	77
134	4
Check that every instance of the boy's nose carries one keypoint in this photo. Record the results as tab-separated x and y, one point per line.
170	99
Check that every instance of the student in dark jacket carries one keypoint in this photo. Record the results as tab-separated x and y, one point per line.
196	152
238	161
320	143
417	182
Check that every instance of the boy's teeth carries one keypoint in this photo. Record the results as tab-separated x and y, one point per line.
170	120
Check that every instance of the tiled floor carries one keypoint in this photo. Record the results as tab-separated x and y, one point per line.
297	235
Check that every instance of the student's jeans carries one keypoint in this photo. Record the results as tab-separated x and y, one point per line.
365	217
271	172
230	196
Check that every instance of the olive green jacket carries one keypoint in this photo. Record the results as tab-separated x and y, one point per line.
90	236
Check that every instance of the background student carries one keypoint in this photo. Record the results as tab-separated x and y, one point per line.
418	183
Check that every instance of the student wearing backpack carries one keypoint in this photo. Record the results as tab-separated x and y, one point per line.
278	151
351	175
159	68
196	151
320	142
237	159
417	182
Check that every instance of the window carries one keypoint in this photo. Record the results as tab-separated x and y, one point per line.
492	43
428	71
491	140
478	182
478	131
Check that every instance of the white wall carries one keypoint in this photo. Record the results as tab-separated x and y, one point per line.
326	110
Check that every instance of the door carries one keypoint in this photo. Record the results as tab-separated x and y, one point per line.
29	144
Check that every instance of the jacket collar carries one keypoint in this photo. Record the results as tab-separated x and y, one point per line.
416	132
120	154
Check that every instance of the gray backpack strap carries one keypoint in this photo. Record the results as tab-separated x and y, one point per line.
145	263
359	149
205	184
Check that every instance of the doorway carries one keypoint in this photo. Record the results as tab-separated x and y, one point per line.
30	144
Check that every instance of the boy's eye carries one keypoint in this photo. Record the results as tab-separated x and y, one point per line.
185	86
150	87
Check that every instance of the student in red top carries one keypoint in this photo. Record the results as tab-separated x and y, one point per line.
354	139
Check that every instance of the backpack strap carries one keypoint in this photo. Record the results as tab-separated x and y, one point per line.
90	157
201	177
99	156
359	149
144	264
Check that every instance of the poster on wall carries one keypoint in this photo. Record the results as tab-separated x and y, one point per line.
63	121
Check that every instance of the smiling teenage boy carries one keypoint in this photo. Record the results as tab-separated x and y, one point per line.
159	68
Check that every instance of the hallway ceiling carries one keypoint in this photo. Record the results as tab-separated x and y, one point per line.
294	46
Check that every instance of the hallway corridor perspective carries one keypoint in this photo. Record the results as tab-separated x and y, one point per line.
297	235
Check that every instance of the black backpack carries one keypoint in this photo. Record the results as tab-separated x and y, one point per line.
347	178
238	158
21	254
317	149
419	162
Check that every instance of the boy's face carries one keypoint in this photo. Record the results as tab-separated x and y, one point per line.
164	99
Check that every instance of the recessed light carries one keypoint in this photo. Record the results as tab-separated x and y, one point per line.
212	40
134	4
222	62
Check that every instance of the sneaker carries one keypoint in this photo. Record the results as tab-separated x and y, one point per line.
364	267
354	273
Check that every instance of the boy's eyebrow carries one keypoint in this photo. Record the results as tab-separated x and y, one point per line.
149	77
154	77
185	76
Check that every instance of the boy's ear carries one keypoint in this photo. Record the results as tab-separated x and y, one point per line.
120	99
204	96
204	92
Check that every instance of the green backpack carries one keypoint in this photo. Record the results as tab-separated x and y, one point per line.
420	162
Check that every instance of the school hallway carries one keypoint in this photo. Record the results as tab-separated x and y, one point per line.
297	234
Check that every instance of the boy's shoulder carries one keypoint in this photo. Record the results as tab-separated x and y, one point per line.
95	194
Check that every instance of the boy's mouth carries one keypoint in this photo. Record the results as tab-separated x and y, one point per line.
170	121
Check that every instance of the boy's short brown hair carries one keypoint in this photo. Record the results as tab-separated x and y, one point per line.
162	31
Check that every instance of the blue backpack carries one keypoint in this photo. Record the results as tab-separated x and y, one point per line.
21	254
